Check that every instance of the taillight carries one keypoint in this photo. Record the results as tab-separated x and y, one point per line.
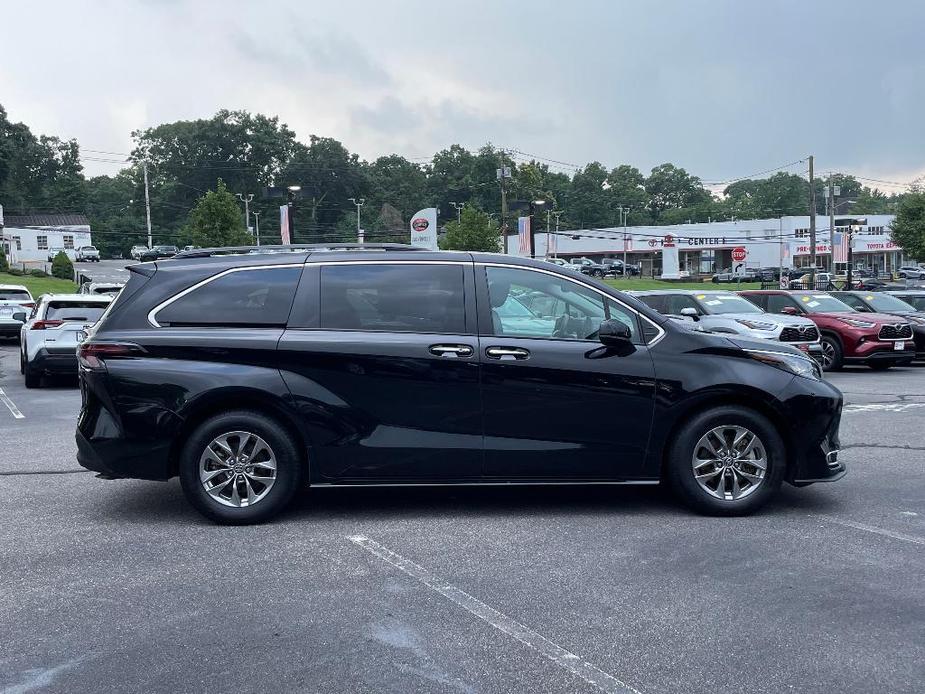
28	304
45	324
93	355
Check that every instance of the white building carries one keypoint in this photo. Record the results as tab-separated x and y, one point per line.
707	248
28	238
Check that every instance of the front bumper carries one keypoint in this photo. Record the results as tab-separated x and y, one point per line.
814	409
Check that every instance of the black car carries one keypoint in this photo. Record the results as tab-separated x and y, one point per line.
881	302
251	375
158	253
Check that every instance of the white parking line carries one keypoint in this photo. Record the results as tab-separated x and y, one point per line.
5	399
883	407
873	529
561	657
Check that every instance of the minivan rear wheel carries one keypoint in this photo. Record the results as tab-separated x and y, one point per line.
727	461
240	467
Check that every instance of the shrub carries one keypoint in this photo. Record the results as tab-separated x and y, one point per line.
4	263
16	272
35	272
62	267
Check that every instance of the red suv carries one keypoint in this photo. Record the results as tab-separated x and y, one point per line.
848	336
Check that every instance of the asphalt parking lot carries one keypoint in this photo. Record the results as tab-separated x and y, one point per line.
115	586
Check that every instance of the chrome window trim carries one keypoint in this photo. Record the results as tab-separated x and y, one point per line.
651	343
152	314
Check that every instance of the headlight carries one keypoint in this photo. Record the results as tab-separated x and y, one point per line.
795	364
857	323
918	320
756	325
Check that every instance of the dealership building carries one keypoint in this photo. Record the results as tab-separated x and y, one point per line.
714	246
27	239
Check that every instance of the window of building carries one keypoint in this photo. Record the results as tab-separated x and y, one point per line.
253	297
18	241
393	298
68	241
801	233
42	242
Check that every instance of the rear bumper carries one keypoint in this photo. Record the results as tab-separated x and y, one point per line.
55	362
10	328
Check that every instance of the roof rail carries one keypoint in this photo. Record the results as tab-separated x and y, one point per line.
295	248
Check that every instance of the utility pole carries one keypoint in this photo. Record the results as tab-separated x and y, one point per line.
624	215
503	173
257	226
359	203
548	213
246	199
812	225
557	214
458	206
144	166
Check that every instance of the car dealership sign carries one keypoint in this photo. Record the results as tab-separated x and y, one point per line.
424	229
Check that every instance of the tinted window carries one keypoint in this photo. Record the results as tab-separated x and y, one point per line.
244	297
655	302
75	310
853	302
917	302
555	307
393	298
679	302
776	302
14	295
886	303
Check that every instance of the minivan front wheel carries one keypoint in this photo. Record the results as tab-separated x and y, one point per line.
726	461
240	467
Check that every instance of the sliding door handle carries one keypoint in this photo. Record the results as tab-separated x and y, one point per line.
507	353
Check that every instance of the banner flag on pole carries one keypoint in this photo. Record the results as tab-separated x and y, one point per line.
284	225
523	235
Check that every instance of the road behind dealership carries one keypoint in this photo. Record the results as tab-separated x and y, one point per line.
120	586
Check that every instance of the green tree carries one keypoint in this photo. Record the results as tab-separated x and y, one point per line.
216	220
4	263
669	186
908	228
62	267
474	231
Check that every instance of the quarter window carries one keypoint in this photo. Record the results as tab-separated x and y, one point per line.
256	297
525	303
393	298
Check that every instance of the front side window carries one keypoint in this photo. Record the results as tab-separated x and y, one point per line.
253	297
393	298
777	302
556	308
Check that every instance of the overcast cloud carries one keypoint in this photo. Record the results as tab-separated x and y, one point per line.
724	88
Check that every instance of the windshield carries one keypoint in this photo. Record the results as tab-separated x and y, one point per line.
75	311
823	303
718	304
14	295
886	303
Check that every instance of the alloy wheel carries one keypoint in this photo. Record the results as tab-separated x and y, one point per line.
828	354
730	462
237	469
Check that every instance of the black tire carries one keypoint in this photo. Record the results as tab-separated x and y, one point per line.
679	471
881	365
32	378
835	354
289	468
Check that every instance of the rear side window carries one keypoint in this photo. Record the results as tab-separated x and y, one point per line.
75	310
393	298
253	297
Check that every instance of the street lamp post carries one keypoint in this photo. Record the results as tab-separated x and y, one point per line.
246	199
257	227
290	196
359	203
556	214
458	206
536	203
624	213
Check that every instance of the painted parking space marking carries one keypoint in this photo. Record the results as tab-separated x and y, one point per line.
11	406
500	621
883	407
914	539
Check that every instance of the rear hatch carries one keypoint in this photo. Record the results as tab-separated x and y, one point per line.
66	323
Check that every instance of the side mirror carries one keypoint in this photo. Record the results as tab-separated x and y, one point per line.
614	333
20	316
790	311
690	312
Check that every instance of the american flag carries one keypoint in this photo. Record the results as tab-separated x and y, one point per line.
839	247
523	234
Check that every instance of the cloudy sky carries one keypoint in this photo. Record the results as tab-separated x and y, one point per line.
725	88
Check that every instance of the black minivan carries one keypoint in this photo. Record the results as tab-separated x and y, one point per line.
252	372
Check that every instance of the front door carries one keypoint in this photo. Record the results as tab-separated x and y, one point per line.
385	372
557	403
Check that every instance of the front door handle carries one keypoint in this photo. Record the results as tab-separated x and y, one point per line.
451	350
507	353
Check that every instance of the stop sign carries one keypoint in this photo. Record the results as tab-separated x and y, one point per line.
738	254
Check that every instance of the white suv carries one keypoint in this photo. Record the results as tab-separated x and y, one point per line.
15	300
137	251
49	338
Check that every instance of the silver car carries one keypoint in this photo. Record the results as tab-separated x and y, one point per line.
15	304
727	312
